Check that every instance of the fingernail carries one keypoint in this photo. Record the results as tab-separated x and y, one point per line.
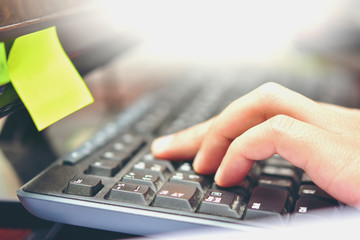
218	174
162	143
196	162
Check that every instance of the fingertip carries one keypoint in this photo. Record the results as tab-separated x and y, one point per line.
196	166
221	179
218	177
161	145
202	166
231	172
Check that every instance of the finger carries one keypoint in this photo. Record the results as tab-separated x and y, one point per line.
292	139
182	145
347	112
304	145
252	109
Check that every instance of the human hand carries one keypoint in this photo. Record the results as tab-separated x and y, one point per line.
321	139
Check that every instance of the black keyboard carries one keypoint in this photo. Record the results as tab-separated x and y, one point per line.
113	182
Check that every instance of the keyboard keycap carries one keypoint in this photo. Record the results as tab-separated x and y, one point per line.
284	172
313	191
223	203
275	182
131	193
78	154
266	202
178	196
305	179
254	173
84	186
152	180
150	158
186	168
202	182
153	167
278	161
153	119
306	205
106	168
121	157
126	147
132	140
243	188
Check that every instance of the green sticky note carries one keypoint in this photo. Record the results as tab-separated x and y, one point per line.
45	78
4	77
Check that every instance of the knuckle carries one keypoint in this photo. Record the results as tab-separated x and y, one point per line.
270	88
280	124
270	93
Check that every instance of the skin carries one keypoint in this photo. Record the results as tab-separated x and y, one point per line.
321	139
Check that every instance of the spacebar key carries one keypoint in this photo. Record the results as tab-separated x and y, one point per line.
267	202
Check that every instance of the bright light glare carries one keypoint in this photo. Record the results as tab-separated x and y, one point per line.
205	30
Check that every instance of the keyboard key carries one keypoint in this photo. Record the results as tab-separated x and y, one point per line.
305	179
131	193
254	173
243	188
314	191
150	158
84	186
130	148
99	139
125	145
153	119
284	172
152	180
276	182
278	161
202	182
120	157
106	168
186	167
306	205
178	196
79	154
153	167
132	140
266	202
223	203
